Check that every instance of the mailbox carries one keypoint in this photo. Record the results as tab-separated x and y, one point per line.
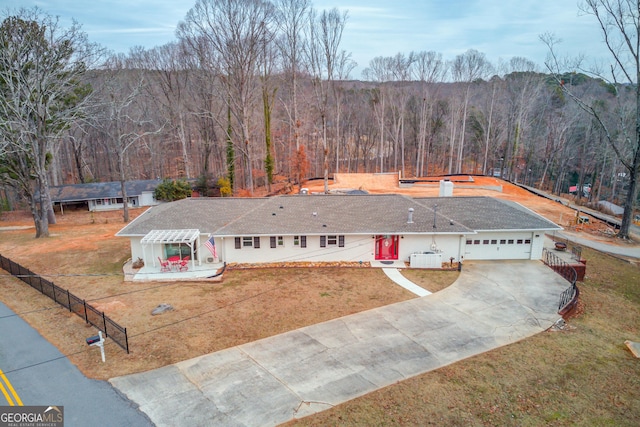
98	341
93	340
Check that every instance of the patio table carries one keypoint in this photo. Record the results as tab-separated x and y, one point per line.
174	260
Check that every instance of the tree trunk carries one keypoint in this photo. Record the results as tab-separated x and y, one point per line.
125	202
486	143
39	218
631	193
183	144
325	155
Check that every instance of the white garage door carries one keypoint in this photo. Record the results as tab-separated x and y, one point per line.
495	246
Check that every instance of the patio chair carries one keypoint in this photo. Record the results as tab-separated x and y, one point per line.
164	265
184	264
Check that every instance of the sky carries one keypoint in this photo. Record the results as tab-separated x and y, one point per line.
501	29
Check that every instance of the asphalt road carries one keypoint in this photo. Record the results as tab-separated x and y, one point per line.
41	375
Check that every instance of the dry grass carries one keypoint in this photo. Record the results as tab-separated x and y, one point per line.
431	280
584	375
84	256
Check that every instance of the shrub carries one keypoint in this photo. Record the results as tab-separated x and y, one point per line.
170	190
225	187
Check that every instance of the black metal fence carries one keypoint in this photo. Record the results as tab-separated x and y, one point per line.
576	251
68	300
568	298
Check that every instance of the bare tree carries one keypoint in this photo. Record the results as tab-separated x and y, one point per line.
235	29
618	21
292	21
208	109
379	71
344	66
41	94
123	118
165	66
428	69
268	59
401	75
523	86
466	68
325	35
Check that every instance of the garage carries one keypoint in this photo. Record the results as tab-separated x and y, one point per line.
493	246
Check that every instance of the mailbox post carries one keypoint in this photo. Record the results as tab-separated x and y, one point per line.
97	340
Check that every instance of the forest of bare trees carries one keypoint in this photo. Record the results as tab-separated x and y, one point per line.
255	91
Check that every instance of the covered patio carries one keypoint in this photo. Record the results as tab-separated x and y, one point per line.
169	245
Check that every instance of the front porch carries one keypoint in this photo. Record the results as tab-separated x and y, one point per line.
196	273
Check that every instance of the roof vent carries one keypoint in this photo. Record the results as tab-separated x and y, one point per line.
410	218
315	214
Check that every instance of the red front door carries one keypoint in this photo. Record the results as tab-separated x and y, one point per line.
387	247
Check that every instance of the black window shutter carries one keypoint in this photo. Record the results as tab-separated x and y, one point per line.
341	241
238	243
323	241
256	242
303	241
272	241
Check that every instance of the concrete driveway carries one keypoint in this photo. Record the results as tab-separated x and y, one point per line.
308	370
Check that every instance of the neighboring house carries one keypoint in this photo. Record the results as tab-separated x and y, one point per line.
104	196
323	228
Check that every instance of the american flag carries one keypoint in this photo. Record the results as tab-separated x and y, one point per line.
211	245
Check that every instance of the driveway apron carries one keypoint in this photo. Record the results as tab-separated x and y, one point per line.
298	373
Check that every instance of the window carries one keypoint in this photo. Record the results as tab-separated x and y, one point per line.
503	241
527	241
296	240
485	242
303	241
274	241
510	241
494	242
177	249
331	241
469	242
98	201
519	241
247	242
476	242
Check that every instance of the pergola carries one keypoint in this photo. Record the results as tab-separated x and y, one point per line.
156	237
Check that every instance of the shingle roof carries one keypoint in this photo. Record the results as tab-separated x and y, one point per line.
100	190
486	213
337	214
205	214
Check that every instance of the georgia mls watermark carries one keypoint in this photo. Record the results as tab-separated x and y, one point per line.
31	416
